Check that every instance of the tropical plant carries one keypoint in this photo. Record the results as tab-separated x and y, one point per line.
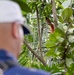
44	49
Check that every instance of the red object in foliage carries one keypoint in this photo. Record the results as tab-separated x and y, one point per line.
51	25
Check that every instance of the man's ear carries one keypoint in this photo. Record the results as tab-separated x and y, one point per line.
15	32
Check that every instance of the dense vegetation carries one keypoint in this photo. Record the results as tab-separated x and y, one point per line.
45	49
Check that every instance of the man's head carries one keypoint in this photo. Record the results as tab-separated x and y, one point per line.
11	27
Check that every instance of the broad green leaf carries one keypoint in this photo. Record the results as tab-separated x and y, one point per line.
55	38
23	6
51	42
67	13
51	52
60	31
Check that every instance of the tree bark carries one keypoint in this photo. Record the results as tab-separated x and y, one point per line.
54	12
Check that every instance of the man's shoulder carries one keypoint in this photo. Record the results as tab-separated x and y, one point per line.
25	71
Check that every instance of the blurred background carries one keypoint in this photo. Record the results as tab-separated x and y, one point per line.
50	46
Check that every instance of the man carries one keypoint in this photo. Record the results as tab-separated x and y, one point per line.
11	39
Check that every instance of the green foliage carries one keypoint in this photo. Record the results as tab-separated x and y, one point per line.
66	14
60	44
23	5
57	47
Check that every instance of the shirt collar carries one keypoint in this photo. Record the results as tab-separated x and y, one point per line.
4	56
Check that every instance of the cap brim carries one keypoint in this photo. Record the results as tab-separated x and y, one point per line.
25	30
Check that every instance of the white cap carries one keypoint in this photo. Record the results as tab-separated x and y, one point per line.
11	12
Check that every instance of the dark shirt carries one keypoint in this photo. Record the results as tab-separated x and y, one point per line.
17	69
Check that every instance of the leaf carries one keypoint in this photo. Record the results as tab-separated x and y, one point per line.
66	14
54	38
61	19
51	52
60	48
51	42
23	6
56	69
61	28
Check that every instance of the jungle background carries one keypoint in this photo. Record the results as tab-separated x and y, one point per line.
50	46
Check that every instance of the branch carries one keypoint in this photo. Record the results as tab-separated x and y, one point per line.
41	59
41	39
43	26
66	50
54	12
39	33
